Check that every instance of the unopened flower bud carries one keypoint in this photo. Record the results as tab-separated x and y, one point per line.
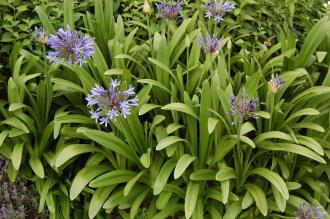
146	7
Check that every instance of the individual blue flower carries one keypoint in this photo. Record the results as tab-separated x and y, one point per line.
211	44
309	211
107	104
217	10
242	108
169	10
69	47
40	35
275	84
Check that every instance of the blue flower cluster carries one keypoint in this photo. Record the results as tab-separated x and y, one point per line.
309	211
211	44
70	47
242	107
107	104
217	10
275	84
169	10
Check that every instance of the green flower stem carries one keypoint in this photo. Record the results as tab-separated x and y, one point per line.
44	55
238	156
271	108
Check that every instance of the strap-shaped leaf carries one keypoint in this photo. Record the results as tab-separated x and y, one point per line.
259	197
191	198
274	179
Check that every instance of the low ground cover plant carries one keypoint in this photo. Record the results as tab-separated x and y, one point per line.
179	109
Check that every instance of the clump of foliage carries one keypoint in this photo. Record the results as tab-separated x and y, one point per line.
173	115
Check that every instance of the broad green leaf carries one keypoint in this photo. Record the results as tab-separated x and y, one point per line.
112	178
293	148
154	83
110	141
225	173
191	198
146	108
163	199
233	210
16	156
247	200
280	201
173	127
145	158
163	176
73	150
258	196
203	174
303	112
14	122
3	136
212	123
181	107
272	134
132	182
37	166
98	199
274	179
182	164
137	203
170	140
84	176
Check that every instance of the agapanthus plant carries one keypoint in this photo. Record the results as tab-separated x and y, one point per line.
40	35
217	9
69	47
211	44
107	104
169	10
275	84
242	108
310	211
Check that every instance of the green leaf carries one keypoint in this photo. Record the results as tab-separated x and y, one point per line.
16	156
258	196
293	148
110	141
112	178
163	199
191	198
154	83
211	124
303	112
45	21
84	176
145	158
203	174
183	163
98	199
321	55
137	203
73	150
233	210
274	179
272	134
262	114
37	166
167	141
146	108
225	173
280	201
132	182
163	175
3	136
14	122
247	200
181	107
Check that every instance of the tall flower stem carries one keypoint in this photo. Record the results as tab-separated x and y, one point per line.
271	108
238	154
44	55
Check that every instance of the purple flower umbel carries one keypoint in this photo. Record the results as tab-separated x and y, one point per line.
309	211
211	44
68	46
107	104
169	10
275	84
217	10
40	35
242	107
